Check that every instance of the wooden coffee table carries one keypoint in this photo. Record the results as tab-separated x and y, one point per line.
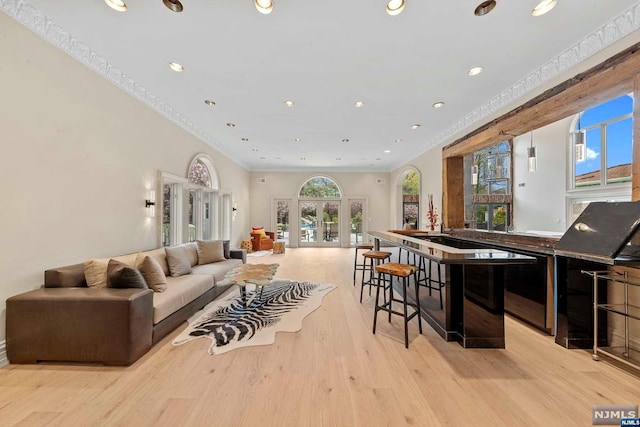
259	275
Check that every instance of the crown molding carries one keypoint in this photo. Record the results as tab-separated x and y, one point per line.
601	38
32	18
606	35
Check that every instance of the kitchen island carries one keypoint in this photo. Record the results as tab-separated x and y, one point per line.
474	281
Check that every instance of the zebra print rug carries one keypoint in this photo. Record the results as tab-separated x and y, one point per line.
229	325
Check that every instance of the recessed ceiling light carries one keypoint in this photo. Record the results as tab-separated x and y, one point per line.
346	141
244	139
358	104
298	140
173	5
394	7
116	5
438	104
475	71
231	125
484	8
414	127
264	6
303	158
209	102
387	151
543	7
288	103
176	67
397	140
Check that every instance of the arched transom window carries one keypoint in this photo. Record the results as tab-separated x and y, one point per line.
320	187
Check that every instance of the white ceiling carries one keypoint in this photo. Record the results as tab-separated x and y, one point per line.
325	55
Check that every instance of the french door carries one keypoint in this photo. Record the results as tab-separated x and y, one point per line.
319	222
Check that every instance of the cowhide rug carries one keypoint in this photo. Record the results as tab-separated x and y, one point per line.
282	307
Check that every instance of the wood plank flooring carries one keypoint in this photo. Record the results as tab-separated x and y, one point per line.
334	372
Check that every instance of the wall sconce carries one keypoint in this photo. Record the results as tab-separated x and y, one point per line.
532	156
234	209
150	204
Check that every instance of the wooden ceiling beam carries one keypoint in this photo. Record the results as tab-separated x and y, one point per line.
611	78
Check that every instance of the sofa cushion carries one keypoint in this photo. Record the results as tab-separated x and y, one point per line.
180	291
178	261
191	249
161	258
210	251
123	276
95	270
152	273
217	269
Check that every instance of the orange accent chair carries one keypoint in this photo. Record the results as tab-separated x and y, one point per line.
260	242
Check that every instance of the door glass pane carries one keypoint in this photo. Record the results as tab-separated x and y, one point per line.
191	215
282	220
410	214
331	225
206	216
308	222
619	143
499	217
355	222
588	170
481	216
166	214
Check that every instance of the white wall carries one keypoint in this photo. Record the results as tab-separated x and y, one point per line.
77	156
539	197
287	185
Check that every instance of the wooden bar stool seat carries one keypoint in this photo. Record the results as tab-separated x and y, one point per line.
374	258
402	271
363	265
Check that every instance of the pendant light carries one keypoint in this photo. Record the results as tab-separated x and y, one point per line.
474	174
579	143
532	156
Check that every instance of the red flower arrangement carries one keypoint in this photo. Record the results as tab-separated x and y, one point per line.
432	213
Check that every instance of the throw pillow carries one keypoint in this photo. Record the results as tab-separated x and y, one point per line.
178	261
210	251
122	276
152	273
226	249
260	230
95	272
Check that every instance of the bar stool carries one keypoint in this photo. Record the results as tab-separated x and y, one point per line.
394	269
428	281
363	265
373	257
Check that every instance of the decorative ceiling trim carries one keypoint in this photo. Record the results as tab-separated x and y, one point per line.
601	38
29	16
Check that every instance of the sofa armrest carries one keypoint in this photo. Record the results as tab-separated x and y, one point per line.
271	235
239	254
111	326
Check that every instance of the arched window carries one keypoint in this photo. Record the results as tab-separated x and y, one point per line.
320	187
602	139
199	174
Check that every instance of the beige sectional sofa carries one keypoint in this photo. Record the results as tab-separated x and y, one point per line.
87	313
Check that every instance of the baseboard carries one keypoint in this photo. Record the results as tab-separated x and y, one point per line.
3	354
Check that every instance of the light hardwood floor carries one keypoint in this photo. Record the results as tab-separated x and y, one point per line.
334	372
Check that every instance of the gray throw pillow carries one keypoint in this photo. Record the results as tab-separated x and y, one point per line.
122	276
226	249
178	260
